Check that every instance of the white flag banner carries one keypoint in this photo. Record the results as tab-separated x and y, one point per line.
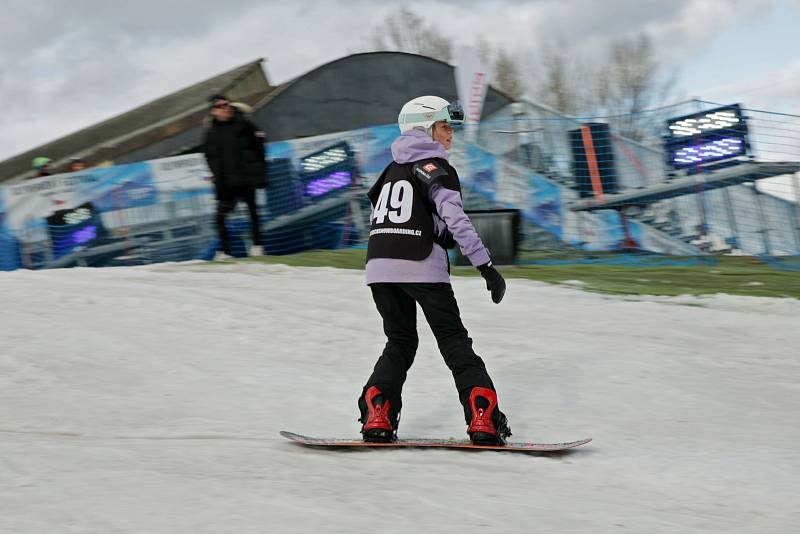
472	80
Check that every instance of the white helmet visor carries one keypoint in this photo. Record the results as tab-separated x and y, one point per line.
453	113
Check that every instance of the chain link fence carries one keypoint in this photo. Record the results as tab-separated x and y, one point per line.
582	188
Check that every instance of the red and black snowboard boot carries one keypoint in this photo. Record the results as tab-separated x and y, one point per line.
487	424
378	425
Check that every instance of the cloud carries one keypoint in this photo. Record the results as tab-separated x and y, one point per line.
67	65
777	88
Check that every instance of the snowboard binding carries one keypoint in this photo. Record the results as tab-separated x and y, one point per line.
487	424
375	416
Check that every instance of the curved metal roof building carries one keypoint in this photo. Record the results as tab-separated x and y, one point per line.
352	92
357	91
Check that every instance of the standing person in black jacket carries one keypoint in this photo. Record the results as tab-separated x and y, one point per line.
234	150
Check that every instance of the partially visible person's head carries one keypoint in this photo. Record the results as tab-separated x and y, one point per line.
76	164
433	115
443	134
41	164
221	108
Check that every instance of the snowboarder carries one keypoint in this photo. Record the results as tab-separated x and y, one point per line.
417	212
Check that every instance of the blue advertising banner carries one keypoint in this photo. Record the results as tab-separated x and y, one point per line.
280	150
45	219
476	169
544	205
377	153
126	186
315	199
600	230
9	248
2	211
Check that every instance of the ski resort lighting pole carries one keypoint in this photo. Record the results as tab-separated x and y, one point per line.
796	186
762	221
726	194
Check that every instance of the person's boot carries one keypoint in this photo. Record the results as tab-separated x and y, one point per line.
223	252
487	424
376	418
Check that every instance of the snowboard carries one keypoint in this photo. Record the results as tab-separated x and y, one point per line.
519	446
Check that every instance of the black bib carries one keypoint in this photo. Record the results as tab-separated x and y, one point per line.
401	226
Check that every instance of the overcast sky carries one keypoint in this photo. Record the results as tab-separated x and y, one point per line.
66	64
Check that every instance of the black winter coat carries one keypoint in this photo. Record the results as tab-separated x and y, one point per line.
234	152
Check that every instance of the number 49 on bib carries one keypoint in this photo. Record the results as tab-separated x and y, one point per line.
396	200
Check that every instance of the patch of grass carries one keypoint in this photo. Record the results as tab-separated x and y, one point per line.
732	275
340	259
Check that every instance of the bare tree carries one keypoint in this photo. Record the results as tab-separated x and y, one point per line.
507	74
561	80
631	82
623	85
405	31
504	69
484	48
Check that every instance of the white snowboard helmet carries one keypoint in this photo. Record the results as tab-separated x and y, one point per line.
421	112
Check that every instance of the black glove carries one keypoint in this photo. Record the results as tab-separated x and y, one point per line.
494	281
446	240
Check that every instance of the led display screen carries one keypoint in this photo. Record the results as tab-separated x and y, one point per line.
706	137
327	171
326	184
73	227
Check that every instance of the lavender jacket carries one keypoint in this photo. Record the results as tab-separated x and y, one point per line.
409	147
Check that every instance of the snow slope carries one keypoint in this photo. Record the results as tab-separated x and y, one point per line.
149	400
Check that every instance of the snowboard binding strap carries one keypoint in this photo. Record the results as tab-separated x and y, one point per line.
377	428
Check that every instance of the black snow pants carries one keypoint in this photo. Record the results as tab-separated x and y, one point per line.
227	200
397	304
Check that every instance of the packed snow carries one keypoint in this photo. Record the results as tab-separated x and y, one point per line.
149	400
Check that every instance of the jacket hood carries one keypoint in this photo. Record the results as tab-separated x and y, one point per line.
238	116
415	145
